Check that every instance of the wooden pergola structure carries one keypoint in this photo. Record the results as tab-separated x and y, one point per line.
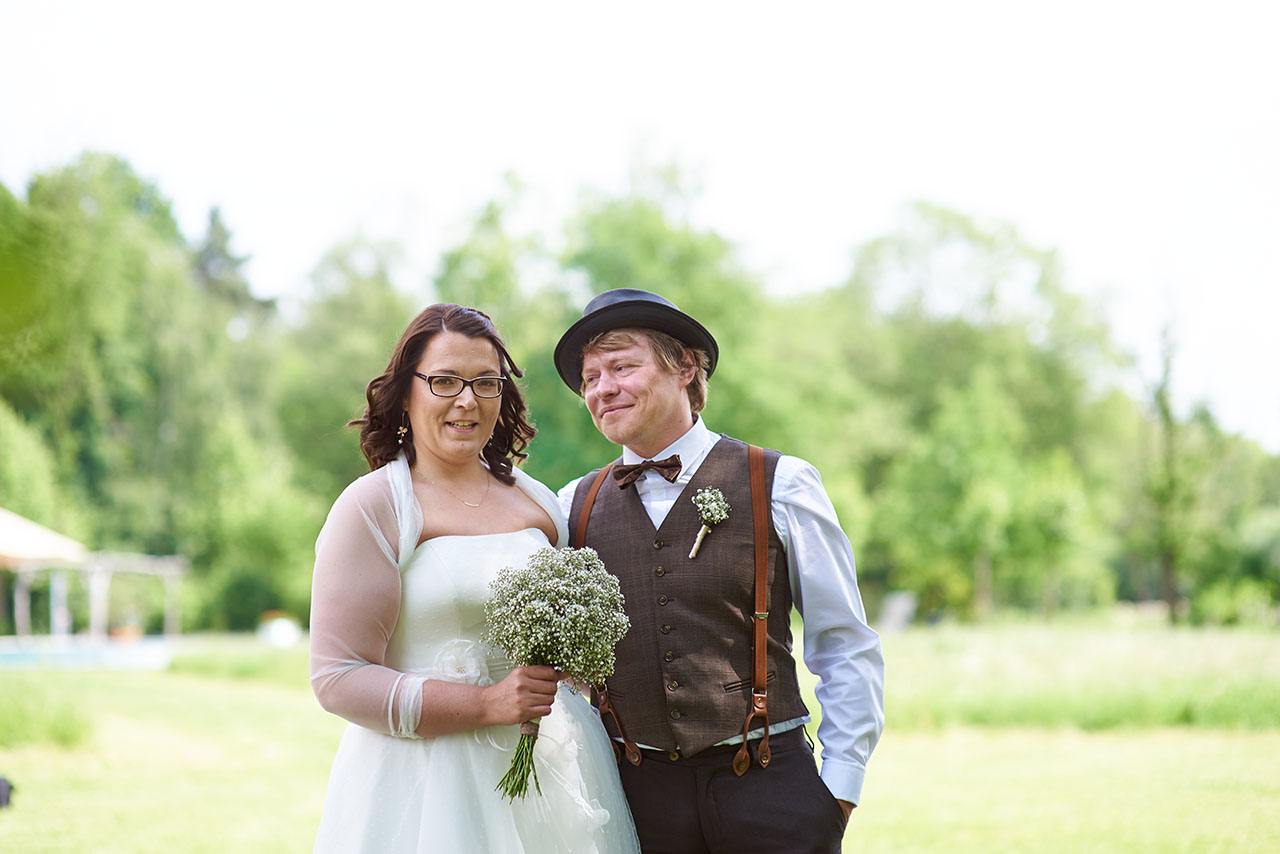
28	548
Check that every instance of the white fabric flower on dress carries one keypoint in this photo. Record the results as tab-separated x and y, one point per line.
462	661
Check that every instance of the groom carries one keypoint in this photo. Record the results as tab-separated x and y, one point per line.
708	658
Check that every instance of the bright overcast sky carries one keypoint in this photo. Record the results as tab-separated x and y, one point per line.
1140	139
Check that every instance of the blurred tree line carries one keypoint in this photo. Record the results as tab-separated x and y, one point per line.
977	429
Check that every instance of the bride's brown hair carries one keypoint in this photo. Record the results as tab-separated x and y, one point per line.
386	393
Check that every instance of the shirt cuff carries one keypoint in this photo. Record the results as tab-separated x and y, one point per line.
843	779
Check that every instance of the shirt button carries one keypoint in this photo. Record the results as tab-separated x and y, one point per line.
672	685
657	544
662	600
675	714
666	630
659	571
669	656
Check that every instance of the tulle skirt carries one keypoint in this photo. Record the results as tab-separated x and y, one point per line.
392	795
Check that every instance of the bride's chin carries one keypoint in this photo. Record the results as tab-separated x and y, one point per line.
458	449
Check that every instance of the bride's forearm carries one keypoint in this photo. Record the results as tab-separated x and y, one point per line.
449	707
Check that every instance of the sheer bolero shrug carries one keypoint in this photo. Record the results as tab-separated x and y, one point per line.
368	540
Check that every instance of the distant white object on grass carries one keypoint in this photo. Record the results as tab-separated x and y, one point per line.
282	631
896	611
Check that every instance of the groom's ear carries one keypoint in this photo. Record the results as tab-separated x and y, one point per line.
688	369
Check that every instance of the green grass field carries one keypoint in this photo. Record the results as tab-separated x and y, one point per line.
228	751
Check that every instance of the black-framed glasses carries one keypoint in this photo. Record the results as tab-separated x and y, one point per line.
447	385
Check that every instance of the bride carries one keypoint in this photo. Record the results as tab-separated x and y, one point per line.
402	572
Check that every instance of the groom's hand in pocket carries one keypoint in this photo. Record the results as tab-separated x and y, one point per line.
525	694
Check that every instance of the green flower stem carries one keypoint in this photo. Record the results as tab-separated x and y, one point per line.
515	783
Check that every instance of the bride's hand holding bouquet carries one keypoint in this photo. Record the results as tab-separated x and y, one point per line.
526	694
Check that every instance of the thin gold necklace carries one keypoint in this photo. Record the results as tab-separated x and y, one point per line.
487	481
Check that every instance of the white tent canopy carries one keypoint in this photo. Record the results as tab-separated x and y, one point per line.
27	545
27	548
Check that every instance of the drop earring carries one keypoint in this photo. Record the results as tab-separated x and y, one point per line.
403	428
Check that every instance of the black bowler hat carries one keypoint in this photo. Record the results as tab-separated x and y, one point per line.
628	308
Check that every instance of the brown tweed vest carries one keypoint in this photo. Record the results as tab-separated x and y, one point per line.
683	674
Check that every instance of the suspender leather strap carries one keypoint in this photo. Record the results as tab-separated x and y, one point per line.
760	635
580	533
602	690
606	708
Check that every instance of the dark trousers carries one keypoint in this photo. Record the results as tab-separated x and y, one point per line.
697	805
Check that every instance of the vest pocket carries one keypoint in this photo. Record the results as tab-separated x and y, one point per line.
745	684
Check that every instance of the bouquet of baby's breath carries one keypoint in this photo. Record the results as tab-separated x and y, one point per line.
560	609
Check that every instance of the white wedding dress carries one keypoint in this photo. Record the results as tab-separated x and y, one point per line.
391	792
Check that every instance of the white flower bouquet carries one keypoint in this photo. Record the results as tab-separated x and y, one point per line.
561	609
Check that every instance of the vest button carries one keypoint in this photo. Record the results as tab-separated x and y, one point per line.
657	544
666	630
675	714
672	685
669	656
674	756
662	600
659	571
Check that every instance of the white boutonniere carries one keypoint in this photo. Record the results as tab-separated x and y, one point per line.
712	509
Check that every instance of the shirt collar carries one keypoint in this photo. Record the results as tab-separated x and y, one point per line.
691	447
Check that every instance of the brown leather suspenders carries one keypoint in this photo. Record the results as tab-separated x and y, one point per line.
760	638
760	634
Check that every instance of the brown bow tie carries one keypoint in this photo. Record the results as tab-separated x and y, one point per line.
627	475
